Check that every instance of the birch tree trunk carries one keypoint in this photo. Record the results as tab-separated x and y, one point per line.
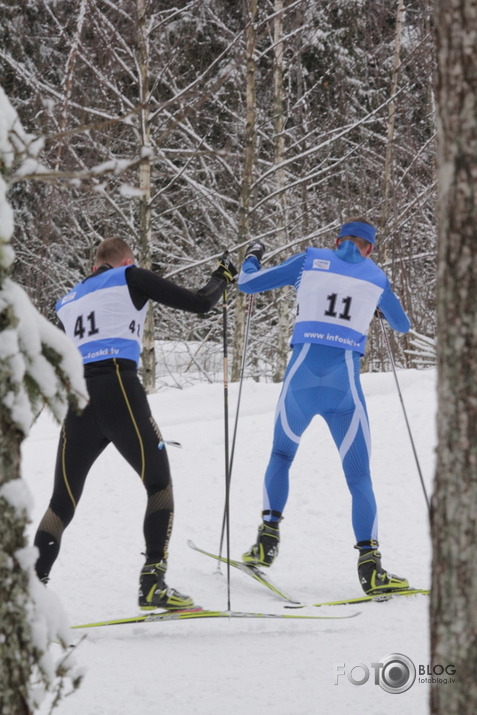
282	298
389	207
250	13
454	505
388	165
148	354
69	78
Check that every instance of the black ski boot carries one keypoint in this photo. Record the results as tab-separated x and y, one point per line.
373	578
265	550
154	593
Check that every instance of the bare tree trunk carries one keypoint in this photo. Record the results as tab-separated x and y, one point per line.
388	164
250	12
386	218
148	353
282	299
17	648
376	348
16	644
69	78
454	504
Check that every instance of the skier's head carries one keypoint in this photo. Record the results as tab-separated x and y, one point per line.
114	252
360	231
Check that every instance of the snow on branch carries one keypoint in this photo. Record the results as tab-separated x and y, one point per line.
38	364
37	361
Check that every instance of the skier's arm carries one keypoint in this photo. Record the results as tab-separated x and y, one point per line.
253	279
391	308
146	285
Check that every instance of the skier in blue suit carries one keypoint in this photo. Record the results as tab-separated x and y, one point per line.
338	292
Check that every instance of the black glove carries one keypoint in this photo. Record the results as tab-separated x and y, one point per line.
225	269
378	313
257	249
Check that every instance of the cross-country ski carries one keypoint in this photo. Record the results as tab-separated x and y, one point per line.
201	613
198	662
256	573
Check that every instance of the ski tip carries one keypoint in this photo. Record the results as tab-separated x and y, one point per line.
376	598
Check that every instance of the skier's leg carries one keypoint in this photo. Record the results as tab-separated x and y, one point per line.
350	430
295	409
136	435
79	446
349	426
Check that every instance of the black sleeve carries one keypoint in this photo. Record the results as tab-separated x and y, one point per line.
146	285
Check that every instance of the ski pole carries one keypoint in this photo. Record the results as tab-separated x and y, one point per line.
226	442
391	359
234	438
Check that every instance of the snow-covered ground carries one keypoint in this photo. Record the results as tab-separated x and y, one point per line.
278	667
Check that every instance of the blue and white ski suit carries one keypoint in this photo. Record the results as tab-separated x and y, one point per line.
337	294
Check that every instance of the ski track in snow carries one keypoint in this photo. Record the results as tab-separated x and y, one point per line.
255	666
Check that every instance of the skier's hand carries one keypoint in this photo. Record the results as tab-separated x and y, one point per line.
225	269
255	248
378	313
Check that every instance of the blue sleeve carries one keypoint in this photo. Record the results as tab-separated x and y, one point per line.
253	279
393	311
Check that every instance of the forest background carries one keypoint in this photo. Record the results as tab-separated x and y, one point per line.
189	127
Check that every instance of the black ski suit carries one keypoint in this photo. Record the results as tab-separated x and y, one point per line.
118	412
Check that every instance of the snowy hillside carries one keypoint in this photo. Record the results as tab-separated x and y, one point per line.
257	666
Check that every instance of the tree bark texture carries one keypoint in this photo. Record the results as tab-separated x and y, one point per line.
283	303
454	503
145	231
250	16
16	647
